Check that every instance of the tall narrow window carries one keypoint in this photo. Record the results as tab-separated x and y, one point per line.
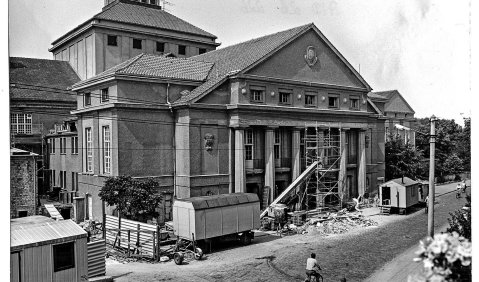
87	99
249	148
277	144
106	150
54	178
74	145
53	145
63	145
104	95
74	181
89	150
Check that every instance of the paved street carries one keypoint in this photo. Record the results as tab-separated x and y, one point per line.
356	255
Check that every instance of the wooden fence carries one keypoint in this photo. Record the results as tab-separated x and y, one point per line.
96	258
136	237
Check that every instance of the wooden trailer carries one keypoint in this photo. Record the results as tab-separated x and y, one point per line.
203	218
399	194
42	249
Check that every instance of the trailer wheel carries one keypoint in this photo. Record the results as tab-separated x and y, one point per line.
178	258
245	238
198	253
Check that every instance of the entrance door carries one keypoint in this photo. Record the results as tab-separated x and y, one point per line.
385	195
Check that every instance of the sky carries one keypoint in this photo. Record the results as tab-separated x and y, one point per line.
419	47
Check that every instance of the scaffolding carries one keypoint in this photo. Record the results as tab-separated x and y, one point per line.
322	145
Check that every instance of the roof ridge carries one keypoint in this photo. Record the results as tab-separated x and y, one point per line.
253	39
132	61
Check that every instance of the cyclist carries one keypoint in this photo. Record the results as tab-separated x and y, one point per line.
313	268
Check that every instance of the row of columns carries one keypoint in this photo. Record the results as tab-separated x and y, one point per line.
237	160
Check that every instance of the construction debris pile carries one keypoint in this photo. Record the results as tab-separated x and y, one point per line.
332	223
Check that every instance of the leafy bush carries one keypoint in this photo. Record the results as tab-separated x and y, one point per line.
460	220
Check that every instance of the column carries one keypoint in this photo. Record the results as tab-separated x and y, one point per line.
362	162
296	158
240	172
231	156
269	171
342	167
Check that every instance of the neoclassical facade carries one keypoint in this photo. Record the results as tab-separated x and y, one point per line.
231	120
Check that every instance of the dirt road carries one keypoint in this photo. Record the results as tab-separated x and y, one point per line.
354	255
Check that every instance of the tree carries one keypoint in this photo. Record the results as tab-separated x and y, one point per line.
452	150
135	199
403	159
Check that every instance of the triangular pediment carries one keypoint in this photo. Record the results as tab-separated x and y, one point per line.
325	65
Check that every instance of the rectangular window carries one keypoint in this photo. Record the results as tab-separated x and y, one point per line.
74	145
21	123
354	103
53	145
352	139
63	256
106	150
104	95
63	146
136	43
89	150
333	101
181	50
386	132
63	179
112	40
248	144
160	47
277	144
74	181
284	97
257	94
87	99
54	178
201	51
310	100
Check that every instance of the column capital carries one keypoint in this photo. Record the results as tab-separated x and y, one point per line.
239	127
345	128
271	127
297	128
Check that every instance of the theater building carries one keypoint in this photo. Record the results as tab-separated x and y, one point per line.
230	120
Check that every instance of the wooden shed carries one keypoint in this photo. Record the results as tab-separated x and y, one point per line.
42	249
215	216
399	193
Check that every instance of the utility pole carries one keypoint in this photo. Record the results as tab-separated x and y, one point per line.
432	146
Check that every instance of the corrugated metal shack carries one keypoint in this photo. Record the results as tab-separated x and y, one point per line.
42	249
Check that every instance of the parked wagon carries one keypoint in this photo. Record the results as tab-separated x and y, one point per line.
399	194
200	220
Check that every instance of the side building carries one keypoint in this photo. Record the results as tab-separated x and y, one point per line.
125	29
39	98
64	163
23	183
236	119
399	114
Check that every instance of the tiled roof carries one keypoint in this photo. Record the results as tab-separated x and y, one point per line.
375	96
238	57
41	79
147	15
394	104
155	66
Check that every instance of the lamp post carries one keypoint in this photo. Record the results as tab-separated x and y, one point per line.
432	145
